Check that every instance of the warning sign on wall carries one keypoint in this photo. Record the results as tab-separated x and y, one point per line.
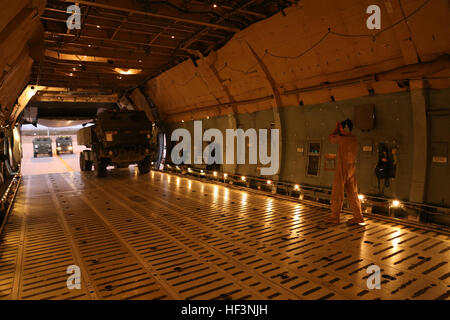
439	159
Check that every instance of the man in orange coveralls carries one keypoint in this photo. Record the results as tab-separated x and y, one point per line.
344	177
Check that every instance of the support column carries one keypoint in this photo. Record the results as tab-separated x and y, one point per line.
275	107
231	118
419	139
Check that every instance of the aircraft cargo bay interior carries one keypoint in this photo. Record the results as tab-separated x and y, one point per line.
224	150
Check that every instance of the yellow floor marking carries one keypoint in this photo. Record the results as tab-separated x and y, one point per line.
65	163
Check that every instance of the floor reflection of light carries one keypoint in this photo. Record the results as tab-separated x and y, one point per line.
269	205
297	211
215	193
397	239
168	178
269	208
226	194
244	199
178	182
189	185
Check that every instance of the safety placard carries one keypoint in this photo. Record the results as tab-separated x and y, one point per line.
439	159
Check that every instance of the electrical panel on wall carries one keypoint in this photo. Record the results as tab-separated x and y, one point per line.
313	162
364	117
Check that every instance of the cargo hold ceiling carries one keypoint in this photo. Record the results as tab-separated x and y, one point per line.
123	43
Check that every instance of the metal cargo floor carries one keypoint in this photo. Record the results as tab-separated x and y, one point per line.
159	236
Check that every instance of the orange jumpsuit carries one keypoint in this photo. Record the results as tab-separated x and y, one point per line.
344	177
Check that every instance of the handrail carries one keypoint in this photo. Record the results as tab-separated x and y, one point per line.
8	197
196	173
299	188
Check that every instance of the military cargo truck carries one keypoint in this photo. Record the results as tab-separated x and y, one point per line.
117	138
42	145
64	144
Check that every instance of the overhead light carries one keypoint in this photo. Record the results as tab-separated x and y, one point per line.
215	173
243	178
225	175
182	120
80	65
140	60
74	69
127	71
98	27
173	37
296	187
89	45
189	170
119	77
361	197
71	74
214	5
269	181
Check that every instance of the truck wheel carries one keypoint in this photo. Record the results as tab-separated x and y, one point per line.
144	166
99	168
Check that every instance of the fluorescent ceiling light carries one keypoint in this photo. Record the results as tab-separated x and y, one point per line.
127	71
